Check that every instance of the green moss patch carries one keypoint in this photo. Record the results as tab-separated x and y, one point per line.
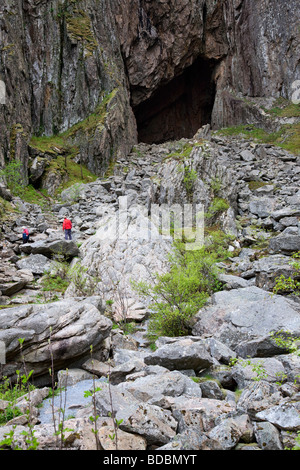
285	108
64	147
79	27
288	136
256	185
184	152
52	145
64	142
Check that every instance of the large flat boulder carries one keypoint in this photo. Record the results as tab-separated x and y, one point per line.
244	320
181	353
152	388
64	330
37	264
285	243
49	247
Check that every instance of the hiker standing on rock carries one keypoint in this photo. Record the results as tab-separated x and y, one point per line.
67	227
25	235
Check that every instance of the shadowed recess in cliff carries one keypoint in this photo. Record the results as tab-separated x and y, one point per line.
177	110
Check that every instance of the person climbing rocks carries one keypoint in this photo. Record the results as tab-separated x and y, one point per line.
67	228
25	235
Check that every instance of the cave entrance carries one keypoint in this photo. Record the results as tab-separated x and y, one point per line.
177	110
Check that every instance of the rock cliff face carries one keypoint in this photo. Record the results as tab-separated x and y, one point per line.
105	75
223	52
60	60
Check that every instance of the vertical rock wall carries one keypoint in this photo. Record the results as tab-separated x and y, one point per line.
262	60
254	44
60	59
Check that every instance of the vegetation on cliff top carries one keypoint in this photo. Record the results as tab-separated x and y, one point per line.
287	137
64	148
63	142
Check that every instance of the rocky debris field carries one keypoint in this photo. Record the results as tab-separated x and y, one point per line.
234	382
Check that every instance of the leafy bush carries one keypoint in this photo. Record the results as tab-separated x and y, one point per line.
190	177
8	414
11	393
12	174
289	284
217	206
54	283
84	284
179	294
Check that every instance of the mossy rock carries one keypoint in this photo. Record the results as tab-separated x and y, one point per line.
79	28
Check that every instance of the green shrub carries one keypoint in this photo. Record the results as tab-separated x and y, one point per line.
217	206
84	283
189	179
11	393
215	209
178	295
12	174
8	414
54	283
289	284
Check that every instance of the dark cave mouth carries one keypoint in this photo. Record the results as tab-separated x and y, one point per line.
177	110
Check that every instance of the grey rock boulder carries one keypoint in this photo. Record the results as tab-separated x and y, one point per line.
156	425
285	243
283	416
267	436
181	354
227	433
233	282
245	372
51	247
191	439
248	314
37	264
257	397
198	413
268	268
211	389
153	387
285	212
262	207
247	156
10	288
5	192
65	329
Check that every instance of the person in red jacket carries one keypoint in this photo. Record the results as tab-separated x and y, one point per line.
67	227
25	235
